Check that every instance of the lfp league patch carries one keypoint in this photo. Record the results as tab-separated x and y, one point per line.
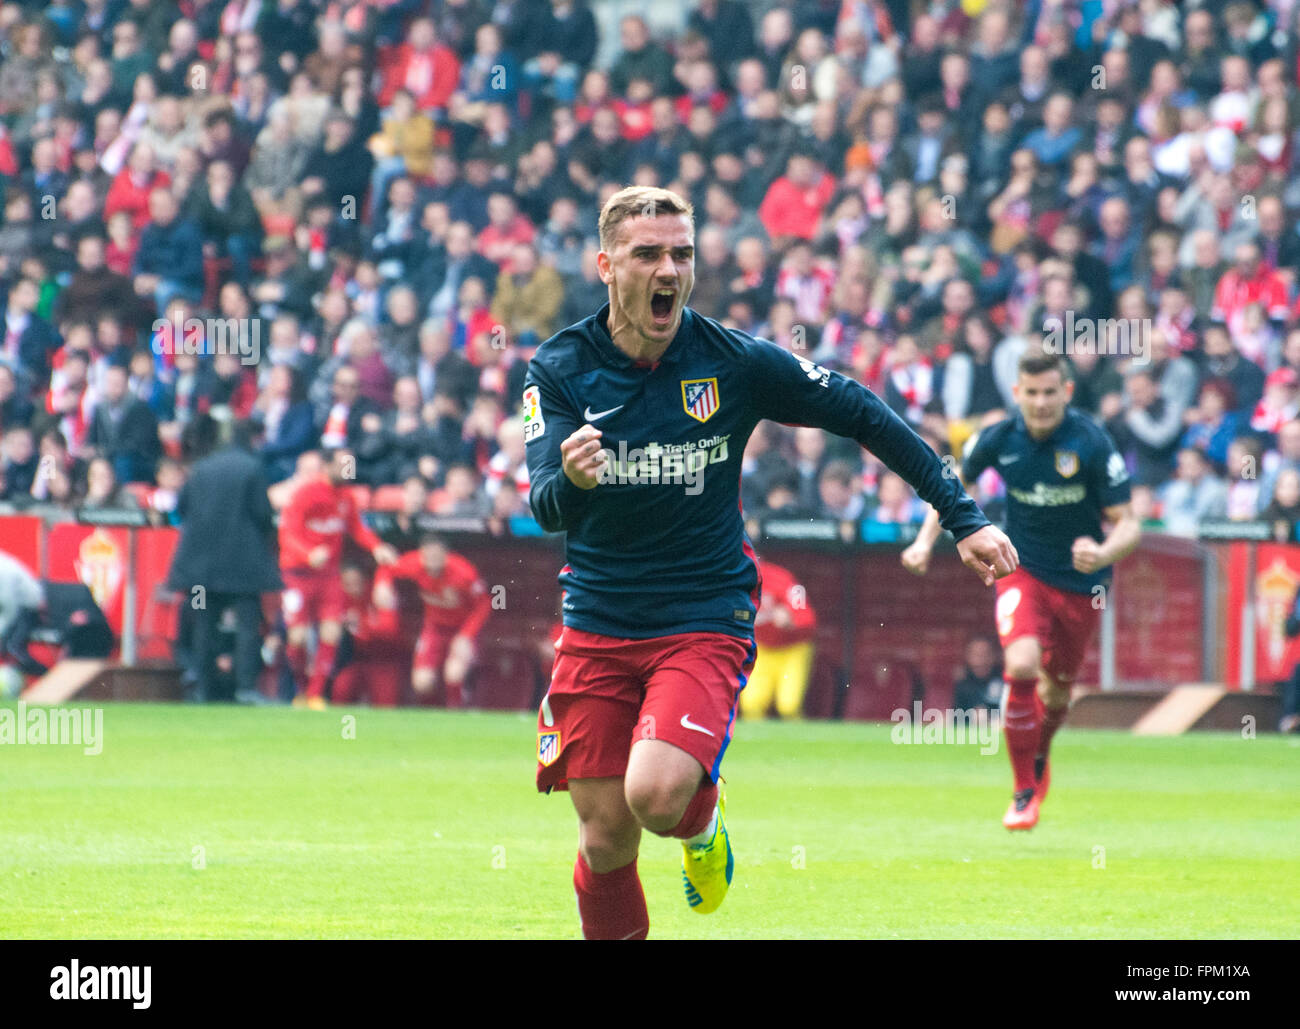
548	748
534	424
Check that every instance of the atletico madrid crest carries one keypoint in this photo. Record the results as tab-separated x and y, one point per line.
700	398
1067	463
548	748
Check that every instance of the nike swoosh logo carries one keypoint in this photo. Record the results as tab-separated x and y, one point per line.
1008	460
599	414
688	724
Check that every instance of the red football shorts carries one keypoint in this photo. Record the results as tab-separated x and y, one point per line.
310	597
431	649
1064	623
607	693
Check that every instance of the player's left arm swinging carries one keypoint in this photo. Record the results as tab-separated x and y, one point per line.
1121	540
794	391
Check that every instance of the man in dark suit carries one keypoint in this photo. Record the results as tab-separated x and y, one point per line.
226	558
26	339
124	429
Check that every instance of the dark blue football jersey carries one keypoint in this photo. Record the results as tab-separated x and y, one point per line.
1057	489
659	547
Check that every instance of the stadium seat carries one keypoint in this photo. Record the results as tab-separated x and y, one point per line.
387	498
887	690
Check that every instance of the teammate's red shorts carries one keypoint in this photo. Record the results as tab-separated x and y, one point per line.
431	649
1064	623
606	693
312	596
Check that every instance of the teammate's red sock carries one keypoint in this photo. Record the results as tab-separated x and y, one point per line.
321	667
1053	718
1020	725
611	905
697	814
295	656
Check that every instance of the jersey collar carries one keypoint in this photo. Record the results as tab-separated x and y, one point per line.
612	355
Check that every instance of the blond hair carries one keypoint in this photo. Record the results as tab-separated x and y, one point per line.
638	202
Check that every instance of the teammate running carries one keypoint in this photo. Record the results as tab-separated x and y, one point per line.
456	604
636	420
319	514
1063	477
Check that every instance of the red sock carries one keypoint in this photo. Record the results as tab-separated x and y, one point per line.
1053	718
698	812
321	668
295	655
1020	725
611	905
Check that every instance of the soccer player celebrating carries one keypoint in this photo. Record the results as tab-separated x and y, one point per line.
636	420
456	604
317	517
1063	477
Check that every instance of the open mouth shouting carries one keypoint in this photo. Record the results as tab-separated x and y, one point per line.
663	301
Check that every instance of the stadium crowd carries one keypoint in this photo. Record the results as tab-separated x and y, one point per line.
395	201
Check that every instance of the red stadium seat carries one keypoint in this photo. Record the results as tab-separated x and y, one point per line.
387	498
889	689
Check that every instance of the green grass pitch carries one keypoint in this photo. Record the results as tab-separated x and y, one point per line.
269	822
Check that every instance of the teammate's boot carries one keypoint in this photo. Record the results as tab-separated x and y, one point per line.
1042	776
1023	812
707	867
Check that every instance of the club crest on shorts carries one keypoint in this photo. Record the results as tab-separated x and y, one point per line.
1067	462
548	748
700	398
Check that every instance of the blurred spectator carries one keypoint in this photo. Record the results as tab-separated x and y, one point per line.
1283	511
123	430
1222	361
102	489
227	219
19	463
286	420
1244	456
840	493
1194	495
29	340
169	262
980	686
528	297
1146	431
1213	424
423	66
795	201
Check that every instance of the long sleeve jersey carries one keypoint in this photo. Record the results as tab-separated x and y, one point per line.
659	547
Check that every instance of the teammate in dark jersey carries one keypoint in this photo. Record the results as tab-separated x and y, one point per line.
1064	477
636	421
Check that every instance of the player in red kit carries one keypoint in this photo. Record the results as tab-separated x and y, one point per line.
375	651
784	629
319	514
456	604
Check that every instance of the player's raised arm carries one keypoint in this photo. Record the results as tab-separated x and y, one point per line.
564	455
795	391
